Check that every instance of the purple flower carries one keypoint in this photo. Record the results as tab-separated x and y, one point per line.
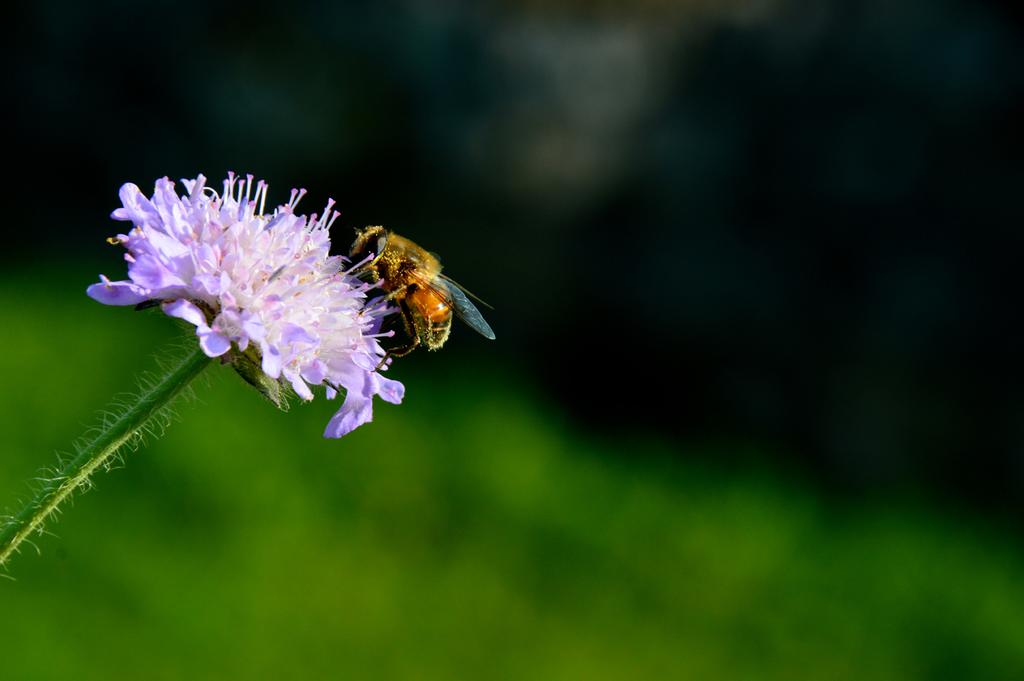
258	288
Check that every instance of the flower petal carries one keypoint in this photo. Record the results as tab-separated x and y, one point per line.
212	343
117	292
150	273
390	390
271	360
298	385
137	208
355	411
187	310
293	333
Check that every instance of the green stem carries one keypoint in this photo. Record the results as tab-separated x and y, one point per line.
99	449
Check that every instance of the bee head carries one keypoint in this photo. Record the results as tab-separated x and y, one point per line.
368	247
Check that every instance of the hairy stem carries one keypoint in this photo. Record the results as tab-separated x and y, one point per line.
99	449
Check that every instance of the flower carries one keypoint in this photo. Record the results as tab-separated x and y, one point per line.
261	290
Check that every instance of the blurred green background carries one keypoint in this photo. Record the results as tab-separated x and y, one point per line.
472	532
755	406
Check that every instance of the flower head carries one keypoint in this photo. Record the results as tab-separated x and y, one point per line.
260	289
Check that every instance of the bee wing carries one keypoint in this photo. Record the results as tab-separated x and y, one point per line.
456	299
465	290
468	313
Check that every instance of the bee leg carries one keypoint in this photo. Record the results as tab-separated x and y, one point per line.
399	352
397	292
410	332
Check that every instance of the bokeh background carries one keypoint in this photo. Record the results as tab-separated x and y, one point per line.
755	409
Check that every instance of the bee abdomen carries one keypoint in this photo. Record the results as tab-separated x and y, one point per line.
436	334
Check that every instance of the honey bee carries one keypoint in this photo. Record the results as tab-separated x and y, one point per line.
411	276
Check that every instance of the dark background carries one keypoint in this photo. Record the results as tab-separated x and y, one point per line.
755	274
790	223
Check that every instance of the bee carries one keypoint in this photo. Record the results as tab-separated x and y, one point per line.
411	276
